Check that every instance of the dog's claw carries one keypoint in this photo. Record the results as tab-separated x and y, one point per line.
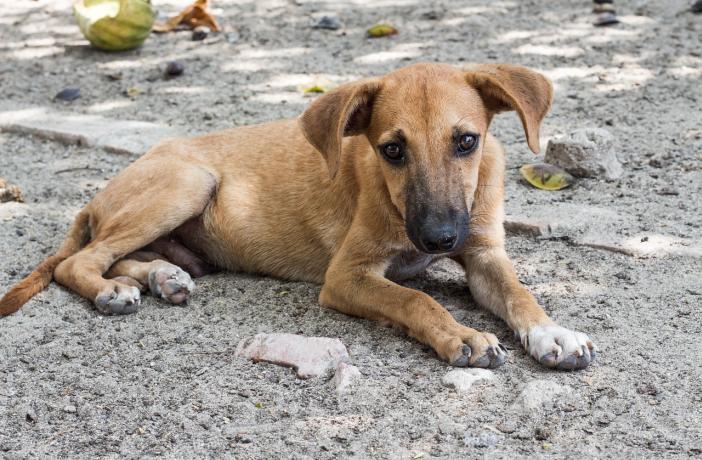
462	361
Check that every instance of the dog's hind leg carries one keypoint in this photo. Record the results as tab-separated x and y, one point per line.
141	204
163	278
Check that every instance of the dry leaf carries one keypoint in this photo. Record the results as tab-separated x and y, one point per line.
381	30
546	176
133	92
10	192
193	16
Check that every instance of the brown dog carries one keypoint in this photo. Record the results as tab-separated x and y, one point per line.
407	174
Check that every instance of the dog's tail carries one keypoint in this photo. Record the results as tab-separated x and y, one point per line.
35	282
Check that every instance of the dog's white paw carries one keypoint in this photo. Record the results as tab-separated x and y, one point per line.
120	300
556	346
171	283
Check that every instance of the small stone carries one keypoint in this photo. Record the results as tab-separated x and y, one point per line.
585	153
68	94
30	415
647	389
114	76
431	15
463	379
606	18
174	69
507	426
310	356
328	23
200	33
345	376
542	434
70	409
233	37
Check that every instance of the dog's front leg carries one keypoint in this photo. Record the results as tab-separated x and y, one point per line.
494	285
355	285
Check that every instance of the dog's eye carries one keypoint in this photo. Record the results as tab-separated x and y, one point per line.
467	143
393	153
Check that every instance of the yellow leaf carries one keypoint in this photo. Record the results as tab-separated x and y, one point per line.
381	30
133	92
321	85
546	176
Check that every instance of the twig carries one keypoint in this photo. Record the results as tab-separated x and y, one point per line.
81	168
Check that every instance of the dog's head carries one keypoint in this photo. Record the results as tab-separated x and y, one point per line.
427	124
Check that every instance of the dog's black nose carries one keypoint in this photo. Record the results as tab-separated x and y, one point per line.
441	240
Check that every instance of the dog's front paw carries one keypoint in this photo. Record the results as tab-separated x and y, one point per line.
119	300
476	349
556	346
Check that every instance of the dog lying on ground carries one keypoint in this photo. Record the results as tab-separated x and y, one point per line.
408	174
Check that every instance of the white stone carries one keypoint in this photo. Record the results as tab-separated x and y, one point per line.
118	136
345	376
585	152
310	356
463	379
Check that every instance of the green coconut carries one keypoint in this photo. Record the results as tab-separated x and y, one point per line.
114	25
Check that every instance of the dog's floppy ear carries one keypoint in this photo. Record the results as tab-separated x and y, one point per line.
344	111
512	87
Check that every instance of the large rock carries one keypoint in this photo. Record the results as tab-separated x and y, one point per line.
586	152
310	356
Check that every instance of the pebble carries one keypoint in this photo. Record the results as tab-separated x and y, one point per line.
68	94
587	152
174	69
463	379
31	415
200	33
233	37
328	23
70	409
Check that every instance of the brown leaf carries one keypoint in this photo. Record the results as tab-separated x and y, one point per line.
10	192
194	15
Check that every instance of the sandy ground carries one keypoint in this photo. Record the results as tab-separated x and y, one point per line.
165	382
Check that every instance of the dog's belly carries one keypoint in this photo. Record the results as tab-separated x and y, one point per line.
407	264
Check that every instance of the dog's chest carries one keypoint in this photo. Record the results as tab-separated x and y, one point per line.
408	264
